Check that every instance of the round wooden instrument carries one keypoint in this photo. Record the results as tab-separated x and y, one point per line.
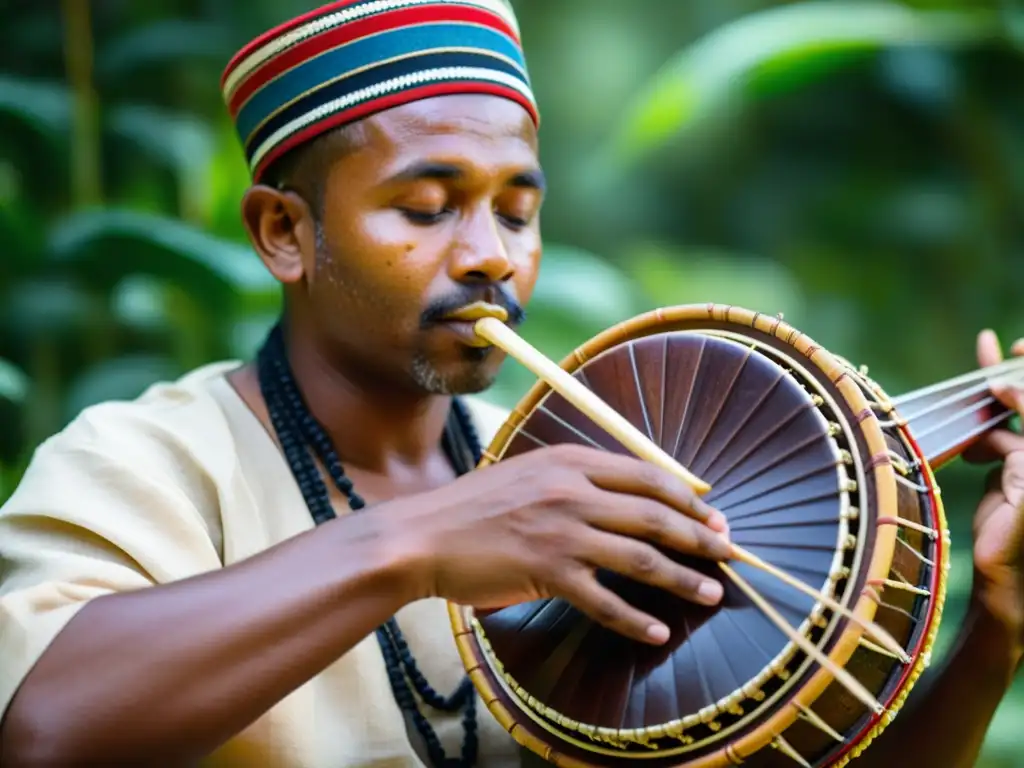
832	505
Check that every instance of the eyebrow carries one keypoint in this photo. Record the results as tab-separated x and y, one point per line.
531	179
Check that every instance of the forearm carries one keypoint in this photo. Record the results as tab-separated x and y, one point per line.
949	714
169	673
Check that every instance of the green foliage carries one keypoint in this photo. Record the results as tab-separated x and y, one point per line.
102	246
774	51
856	166
13	382
43	106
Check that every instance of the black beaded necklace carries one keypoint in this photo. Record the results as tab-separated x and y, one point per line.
298	432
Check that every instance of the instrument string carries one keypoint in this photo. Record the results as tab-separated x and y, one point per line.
1015	364
586	401
985	426
971	400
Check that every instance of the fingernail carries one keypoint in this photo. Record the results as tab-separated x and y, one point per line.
658	633
710	592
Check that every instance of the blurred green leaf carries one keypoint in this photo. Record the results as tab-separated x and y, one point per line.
582	285
227	178
774	50
169	41
120	378
14	383
50	308
182	142
21	228
43	105
106	245
140	302
670	276
1003	739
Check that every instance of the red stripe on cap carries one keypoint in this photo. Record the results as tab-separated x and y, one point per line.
279	30
348	33
394	100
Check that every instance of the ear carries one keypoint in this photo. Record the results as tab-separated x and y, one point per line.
281	228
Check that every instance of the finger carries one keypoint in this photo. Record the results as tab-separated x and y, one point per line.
983	450
656	523
623	474
1013	480
988	349
995	446
993	480
990	353
644	563
609	610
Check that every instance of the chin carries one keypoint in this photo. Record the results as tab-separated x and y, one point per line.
475	373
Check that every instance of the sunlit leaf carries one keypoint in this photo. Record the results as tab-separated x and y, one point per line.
584	286
227	178
106	245
140	302
775	50
14	383
675	276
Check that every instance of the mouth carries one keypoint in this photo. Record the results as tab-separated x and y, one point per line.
462	321
476	311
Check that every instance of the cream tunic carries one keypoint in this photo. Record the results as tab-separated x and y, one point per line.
186	480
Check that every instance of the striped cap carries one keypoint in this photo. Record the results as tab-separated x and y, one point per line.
349	59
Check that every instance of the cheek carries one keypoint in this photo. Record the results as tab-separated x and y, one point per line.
390	231
526	257
380	269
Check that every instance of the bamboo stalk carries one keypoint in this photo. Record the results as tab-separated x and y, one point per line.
85	142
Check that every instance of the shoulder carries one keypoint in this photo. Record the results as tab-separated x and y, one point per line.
167	454
177	422
488	417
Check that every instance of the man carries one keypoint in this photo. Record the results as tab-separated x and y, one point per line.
192	577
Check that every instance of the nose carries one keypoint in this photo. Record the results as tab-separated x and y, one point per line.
479	254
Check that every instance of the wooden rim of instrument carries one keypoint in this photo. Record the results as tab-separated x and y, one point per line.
848	384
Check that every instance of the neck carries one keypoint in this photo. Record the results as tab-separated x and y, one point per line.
948	417
373	427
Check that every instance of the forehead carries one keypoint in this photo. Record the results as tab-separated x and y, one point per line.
488	132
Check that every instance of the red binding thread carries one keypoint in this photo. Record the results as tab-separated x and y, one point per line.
880	460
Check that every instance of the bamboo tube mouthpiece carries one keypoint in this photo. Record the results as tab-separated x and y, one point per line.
500	335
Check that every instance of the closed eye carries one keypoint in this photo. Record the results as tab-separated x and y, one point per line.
515	222
424	218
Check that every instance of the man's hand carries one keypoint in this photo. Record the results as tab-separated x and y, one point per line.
999	520
542	524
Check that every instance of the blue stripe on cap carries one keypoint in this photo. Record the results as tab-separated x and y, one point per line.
383	73
364	52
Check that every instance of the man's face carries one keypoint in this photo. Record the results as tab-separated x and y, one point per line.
436	208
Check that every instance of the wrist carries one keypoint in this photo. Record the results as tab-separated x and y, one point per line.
369	550
996	621
406	556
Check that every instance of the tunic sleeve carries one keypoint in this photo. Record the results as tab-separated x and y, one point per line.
108	505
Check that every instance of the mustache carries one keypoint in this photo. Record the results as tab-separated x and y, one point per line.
495	294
